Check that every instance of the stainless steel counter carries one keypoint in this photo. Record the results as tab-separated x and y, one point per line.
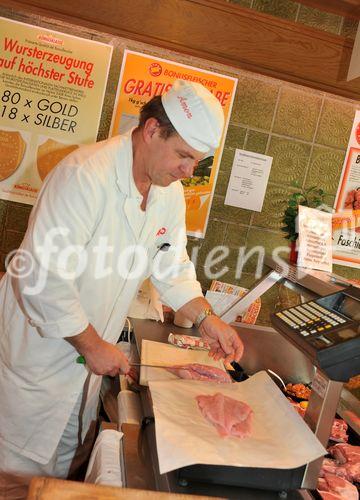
151	330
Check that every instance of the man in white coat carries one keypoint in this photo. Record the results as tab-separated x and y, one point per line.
98	229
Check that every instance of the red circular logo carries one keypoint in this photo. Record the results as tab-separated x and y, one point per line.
155	69
357	133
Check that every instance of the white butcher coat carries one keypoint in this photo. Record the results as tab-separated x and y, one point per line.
93	196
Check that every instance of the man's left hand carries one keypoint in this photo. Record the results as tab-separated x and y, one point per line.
223	340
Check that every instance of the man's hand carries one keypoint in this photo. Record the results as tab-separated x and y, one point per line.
223	340
101	357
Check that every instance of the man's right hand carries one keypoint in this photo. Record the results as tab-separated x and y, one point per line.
101	357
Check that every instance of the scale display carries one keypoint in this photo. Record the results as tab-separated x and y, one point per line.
327	330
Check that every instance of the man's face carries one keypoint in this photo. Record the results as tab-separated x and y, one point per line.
170	159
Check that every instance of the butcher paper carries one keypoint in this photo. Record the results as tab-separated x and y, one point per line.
280	438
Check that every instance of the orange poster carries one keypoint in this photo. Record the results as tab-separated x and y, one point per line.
143	77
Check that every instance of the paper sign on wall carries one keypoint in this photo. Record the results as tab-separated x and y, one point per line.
346	221
52	87
248	180
315	241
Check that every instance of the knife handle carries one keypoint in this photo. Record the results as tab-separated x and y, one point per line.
81	360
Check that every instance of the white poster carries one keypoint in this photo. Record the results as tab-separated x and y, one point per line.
248	180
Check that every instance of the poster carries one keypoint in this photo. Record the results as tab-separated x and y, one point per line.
315	243
346	221
248	180
143	77
52	88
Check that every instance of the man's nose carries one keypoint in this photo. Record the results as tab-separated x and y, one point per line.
187	168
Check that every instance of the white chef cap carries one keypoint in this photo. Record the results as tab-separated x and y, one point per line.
195	113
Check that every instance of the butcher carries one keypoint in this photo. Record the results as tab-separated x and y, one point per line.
108	216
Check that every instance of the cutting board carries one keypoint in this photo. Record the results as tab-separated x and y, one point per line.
158	353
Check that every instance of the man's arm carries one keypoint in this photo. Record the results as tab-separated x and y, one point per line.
101	357
223	340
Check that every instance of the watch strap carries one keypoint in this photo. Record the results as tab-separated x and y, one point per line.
204	314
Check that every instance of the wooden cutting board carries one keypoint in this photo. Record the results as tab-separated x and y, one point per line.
158	353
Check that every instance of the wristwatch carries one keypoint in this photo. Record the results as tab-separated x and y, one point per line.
204	314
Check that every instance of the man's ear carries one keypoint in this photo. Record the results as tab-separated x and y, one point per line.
151	127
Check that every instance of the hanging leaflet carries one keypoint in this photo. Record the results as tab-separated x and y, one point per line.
346	221
248	180
52	88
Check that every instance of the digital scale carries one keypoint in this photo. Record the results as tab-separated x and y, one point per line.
327	330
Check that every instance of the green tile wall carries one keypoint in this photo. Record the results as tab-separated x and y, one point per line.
305	131
297	12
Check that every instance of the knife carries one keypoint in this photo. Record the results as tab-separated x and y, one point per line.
81	361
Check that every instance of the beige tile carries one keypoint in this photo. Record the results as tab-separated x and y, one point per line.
235	137
349	28
347	272
262	243
18	216
325	169
254	103
256	141
319	19
297	114
335	124
214	237
222	182
285	9
227	159
275	204
11	240
290	159
227	213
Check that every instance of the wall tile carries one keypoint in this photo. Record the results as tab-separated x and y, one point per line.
265	242
256	141
286	9
17	217
335	124
2	262
255	103
3	208
235	238
297	114
215	235
228	213
11	240
227	160
273	208
319	19
290	159
349	28
235	137
222	182
325	169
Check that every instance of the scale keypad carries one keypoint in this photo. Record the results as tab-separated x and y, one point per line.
313	321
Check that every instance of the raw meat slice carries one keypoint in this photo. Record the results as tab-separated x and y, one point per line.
348	457
339	431
335	487
196	371
345	453
330	466
229	416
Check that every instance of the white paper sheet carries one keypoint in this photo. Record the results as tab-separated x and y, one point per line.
158	353
315	239
248	180
280	438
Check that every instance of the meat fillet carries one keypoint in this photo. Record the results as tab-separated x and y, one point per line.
347	457
335	487
229	416
197	371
